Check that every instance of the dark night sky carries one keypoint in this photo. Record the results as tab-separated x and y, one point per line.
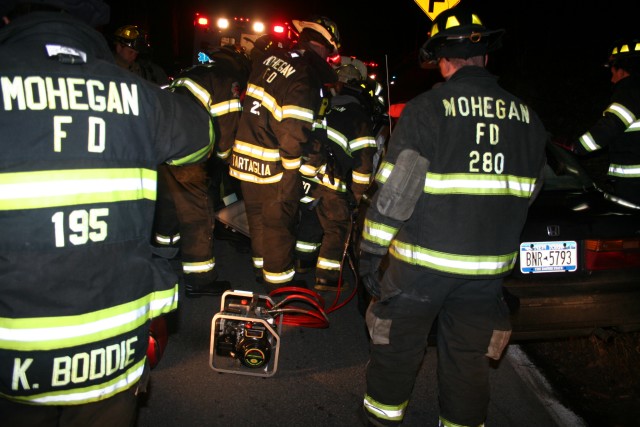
400	26
552	54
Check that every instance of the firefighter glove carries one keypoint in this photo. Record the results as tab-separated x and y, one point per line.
369	266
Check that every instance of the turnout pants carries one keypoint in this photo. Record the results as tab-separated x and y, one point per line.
184	207
468	312
272	214
323	232
119	410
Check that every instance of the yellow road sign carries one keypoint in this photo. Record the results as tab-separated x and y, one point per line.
433	7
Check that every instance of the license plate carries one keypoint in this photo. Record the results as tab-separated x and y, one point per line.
548	257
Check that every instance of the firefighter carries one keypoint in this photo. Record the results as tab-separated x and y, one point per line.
132	50
454	187
617	128
334	193
285	100
185	210
80	144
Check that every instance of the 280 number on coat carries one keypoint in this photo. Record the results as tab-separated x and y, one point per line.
487	162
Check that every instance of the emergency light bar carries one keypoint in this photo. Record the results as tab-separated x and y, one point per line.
224	23
214	31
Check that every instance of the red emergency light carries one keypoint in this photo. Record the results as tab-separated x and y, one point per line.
278	29
335	60
202	21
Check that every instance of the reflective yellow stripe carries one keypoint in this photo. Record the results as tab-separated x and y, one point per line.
253	178
624	171
385	412
295	112
223	155
588	142
328	264
622	113
469	183
225	107
469	265
199	267
633	127
308	171
205	98
47	333
42	189
378	233
199	155
279	112
308	247
479	184
199	93
88	394
257	262
364	142
361	178
446	423
166	240
338	138
256	152
384	172
279	278
291	163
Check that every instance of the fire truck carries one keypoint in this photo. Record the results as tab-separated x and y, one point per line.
211	31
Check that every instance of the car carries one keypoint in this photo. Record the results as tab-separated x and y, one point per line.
578	269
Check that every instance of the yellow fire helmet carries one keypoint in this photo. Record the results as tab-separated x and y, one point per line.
459	33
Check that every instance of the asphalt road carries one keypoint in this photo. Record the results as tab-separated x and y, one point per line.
319	378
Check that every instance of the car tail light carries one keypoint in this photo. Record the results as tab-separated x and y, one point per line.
612	254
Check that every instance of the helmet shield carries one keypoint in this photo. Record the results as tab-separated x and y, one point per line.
459	33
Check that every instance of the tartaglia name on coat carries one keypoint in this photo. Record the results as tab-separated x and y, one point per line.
249	165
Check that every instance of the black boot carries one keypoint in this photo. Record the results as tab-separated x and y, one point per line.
303	266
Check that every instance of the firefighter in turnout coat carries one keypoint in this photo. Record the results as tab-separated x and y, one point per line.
185	210
285	96
334	193
462	166
619	127
81	141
